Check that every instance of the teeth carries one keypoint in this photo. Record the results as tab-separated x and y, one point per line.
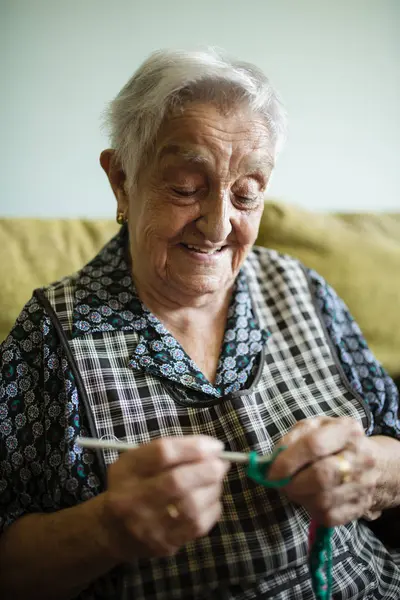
202	249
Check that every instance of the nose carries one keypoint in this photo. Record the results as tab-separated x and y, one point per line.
215	220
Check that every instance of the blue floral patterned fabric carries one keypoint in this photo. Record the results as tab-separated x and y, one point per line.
365	373
40	409
40	413
159	353
106	300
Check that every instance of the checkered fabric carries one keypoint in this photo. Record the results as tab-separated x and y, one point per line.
258	549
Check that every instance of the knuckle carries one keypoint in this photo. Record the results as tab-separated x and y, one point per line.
350	428
163	450
190	505
314	444
174	484
301	424
295	432
322	473
349	422
194	503
216	470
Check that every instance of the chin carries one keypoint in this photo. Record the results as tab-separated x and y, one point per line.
202	285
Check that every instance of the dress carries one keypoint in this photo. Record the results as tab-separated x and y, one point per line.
87	358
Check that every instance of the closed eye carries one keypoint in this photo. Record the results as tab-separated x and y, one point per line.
246	199
184	193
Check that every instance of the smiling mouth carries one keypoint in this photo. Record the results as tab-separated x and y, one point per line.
200	250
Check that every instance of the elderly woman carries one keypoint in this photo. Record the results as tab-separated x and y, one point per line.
181	337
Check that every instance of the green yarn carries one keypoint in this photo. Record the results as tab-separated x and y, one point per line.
320	552
258	472
320	561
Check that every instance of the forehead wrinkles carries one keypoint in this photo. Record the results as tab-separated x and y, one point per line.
223	144
228	156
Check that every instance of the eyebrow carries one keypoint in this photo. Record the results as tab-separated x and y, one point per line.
260	163
256	165
188	155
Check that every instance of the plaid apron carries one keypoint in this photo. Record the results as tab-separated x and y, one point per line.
258	549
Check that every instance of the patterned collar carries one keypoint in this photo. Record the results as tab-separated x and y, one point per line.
106	300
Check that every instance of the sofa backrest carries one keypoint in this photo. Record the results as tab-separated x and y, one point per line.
359	255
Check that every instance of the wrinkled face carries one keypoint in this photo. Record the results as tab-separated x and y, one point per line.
196	209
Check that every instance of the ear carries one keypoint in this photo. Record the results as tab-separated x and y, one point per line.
116	177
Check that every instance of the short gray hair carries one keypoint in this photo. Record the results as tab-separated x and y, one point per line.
170	78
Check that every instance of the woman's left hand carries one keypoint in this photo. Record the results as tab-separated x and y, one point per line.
332	468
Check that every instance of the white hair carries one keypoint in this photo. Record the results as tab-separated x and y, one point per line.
169	79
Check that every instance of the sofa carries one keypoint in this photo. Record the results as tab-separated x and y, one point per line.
358	254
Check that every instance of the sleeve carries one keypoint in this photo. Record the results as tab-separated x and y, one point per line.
364	372
22	417
41	469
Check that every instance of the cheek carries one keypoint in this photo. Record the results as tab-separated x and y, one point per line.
161	221
247	228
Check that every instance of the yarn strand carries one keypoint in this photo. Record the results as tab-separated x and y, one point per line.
320	546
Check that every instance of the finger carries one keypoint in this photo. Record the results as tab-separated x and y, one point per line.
302	428
315	443
325	501
168	452
321	503
147	497
180	481
193	504
371	515
189	529
191	518
307	425
325	474
341	514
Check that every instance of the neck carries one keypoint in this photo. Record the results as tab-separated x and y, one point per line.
197	323
185	313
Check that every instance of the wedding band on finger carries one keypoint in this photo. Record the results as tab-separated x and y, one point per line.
173	511
344	469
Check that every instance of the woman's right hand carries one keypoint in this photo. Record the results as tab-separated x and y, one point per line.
162	495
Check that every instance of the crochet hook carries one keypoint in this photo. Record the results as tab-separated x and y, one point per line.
97	444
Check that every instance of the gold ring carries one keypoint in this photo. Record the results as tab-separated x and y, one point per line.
172	511
344	468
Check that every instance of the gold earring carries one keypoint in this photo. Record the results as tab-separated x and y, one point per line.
121	219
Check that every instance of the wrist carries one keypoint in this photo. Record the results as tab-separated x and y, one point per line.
105	529
386	452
